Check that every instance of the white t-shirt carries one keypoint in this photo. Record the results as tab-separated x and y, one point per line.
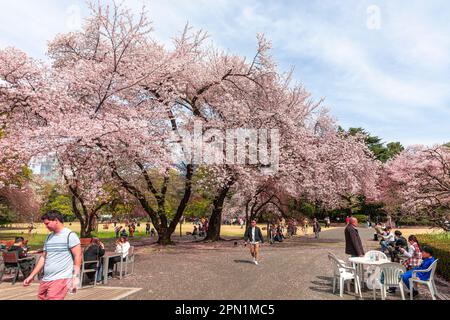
389	238
253	236
59	261
123	249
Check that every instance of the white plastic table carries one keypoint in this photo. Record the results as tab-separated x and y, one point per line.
360	262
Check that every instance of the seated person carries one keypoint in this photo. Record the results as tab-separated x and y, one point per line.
388	239
26	266
413	254
94	252
279	234
122	247
195	233
400	242
428	259
378	230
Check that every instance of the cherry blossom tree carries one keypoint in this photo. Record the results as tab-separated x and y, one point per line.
22	201
417	184
90	190
21	92
114	107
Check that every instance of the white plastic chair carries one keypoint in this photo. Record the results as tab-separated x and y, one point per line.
339	259
343	273
430	282
392	277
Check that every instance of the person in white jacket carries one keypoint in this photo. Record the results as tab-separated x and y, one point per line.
388	239
122	248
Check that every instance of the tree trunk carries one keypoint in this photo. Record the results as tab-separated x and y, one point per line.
159	218
84	233
164	236
85	216
215	222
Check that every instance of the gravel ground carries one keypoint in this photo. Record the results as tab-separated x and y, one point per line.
297	269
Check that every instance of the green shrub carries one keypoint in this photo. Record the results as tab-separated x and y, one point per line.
361	218
415	222
441	247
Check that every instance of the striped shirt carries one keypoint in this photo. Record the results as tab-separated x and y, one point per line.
59	260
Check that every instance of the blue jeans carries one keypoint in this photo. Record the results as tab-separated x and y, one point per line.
406	276
385	245
100	273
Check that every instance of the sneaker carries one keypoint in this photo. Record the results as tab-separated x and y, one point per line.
256	262
392	290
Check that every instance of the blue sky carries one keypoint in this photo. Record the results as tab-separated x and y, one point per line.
381	65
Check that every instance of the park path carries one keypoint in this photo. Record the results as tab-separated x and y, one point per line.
296	269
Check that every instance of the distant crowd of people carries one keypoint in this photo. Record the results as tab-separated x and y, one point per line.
239	221
132	226
201	226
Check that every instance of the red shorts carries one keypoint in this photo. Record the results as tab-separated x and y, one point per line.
54	290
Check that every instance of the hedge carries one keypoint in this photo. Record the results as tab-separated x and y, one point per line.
361	218
441	247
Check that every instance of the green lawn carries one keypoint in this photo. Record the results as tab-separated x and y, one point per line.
37	238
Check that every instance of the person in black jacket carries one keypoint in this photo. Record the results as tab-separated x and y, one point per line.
255	237
353	244
27	263
94	252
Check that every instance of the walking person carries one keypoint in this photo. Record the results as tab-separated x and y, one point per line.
131	229
353	244
117	231
255	237
327	222
123	233
316	228
61	260
305	226
347	220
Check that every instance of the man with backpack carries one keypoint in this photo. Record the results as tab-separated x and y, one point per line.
61	260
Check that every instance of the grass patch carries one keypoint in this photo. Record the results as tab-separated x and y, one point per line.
38	236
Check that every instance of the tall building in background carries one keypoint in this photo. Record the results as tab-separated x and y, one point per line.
45	167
